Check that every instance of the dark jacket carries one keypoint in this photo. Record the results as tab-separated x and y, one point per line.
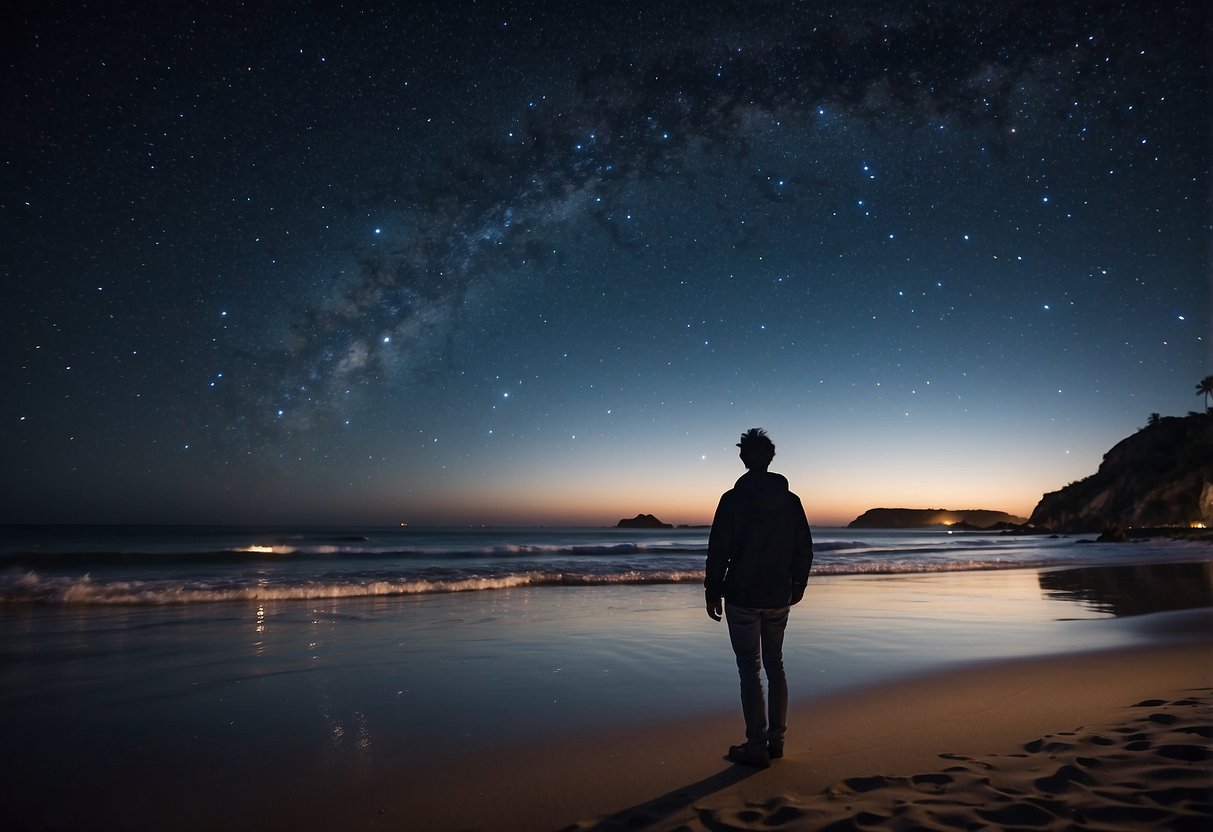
760	549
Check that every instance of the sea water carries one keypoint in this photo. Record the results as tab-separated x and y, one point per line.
94	565
174	661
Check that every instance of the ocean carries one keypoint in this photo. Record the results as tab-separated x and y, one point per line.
146	669
92	565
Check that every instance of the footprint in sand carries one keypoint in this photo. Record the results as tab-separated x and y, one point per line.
932	783
1190	753
932	779
866	784
1018	814
1163	719
1205	731
1036	746
1124	816
1063	779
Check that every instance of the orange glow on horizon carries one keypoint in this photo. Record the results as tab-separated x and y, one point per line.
558	503
681	484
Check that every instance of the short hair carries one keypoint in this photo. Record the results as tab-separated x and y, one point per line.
756	448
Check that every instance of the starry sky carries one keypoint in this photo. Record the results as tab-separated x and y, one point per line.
526	263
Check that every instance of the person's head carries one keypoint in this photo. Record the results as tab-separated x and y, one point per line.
757	449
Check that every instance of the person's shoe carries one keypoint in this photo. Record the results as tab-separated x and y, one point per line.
775	750
744	756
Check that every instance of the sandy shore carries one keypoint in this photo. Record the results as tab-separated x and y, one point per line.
1114	739
1052	699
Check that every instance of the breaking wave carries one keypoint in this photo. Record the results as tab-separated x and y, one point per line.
33	588
199	566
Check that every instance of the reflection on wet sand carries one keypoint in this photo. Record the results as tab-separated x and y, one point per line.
1133	590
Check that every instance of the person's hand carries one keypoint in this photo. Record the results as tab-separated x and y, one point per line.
715	608
796	596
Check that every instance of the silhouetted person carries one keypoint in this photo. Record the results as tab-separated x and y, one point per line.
759	555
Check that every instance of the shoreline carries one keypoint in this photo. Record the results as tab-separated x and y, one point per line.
595	708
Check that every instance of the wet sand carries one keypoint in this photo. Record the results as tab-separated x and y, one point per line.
1043	699
1112	739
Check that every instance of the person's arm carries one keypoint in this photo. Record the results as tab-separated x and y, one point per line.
720	542
802	557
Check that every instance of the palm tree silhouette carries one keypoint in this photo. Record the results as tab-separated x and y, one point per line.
1205	388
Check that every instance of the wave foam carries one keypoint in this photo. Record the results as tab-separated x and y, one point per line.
32	588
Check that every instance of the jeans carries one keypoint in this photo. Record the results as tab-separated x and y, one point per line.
757	637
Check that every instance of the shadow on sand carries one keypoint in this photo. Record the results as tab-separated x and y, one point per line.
644	815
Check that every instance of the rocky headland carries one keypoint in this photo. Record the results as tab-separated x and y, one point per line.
1161	476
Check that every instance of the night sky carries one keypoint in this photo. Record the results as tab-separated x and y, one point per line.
524	263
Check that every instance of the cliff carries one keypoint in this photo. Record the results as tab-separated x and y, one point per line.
917	518
1160	476
643	521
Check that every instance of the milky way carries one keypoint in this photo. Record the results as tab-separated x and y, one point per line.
336	240
671	119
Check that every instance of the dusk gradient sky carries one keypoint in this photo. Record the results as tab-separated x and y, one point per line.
544	262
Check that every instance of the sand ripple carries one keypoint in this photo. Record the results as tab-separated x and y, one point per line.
1150	772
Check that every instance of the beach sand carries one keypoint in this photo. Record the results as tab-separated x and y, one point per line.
1111	739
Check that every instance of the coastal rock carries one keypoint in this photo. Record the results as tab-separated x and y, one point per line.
1160	476
917	518
643	521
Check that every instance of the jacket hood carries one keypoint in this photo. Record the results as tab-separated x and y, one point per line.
767	490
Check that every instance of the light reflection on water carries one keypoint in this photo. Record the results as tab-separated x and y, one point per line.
1135	589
